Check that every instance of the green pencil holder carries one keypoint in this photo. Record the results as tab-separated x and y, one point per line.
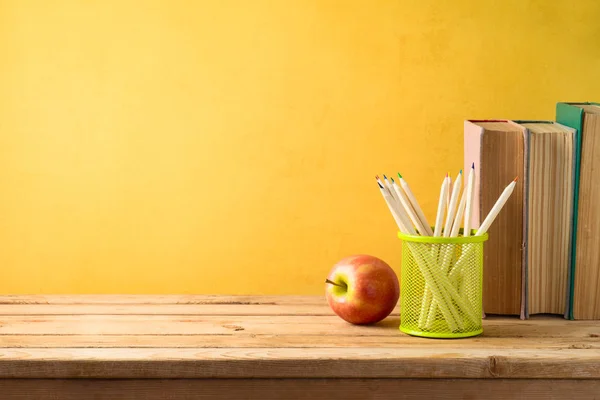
441	286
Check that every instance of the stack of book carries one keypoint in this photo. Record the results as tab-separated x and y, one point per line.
543	252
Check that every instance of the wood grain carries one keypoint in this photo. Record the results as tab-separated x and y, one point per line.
299	363
188	325
502	148
205	337
329	325
306	389
166	309
243	340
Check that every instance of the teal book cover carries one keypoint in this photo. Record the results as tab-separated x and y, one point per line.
569	114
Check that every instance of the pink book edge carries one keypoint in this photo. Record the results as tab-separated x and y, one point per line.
472	154
472	151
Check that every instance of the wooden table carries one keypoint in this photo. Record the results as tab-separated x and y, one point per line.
217	347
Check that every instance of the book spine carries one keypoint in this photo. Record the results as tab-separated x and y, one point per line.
525	249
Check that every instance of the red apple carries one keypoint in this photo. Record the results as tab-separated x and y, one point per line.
362	289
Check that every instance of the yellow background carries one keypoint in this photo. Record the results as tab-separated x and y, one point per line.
231	146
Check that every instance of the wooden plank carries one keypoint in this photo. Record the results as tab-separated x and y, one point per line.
166	309
181	325
367	362
160	299
305	389
280	325
299	341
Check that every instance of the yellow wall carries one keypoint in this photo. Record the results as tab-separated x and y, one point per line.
230	146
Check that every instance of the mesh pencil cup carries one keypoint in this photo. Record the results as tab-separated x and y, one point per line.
441	286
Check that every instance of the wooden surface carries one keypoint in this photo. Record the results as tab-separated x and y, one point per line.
305	389
191	344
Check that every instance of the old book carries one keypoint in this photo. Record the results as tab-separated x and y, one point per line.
497	147
548	215
585	271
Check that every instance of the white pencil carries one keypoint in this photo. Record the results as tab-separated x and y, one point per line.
459	214
489	219
449	191
388	200
428	304
408	208
398	212
382	184
469	205
485	225
446	252
388	185
439	220
452	205
415	205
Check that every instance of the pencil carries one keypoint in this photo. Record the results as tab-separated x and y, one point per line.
489	219
446	250
452	205
428	303
388	200
388	186
408	208
381	183
415	204
449	190
469	205
459	214
398	211
439	220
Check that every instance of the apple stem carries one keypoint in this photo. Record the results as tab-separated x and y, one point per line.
333	283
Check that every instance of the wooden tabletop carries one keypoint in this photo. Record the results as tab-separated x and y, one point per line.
225	336
215	337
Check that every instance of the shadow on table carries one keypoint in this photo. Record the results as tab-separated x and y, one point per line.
391	322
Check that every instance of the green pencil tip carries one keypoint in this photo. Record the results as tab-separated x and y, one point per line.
460	172
399	176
